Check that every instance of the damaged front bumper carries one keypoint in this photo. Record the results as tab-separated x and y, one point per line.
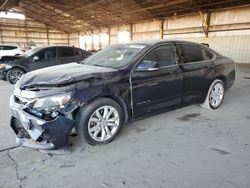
2	75
36	132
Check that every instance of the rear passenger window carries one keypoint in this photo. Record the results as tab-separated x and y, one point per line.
163	54
66	52
191	53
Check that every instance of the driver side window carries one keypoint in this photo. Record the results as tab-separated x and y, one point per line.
163	54
47	54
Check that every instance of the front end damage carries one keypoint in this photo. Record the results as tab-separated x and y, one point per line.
41	122
45	100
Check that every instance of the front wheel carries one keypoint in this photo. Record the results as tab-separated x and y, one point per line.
215	95
99	122
14	75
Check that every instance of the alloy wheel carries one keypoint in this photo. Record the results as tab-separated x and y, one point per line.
15	75
216	95
103	123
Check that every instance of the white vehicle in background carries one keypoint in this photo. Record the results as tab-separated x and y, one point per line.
10	50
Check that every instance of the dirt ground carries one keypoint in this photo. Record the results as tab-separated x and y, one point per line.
189	147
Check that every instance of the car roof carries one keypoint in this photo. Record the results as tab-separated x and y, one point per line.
54	46
159	41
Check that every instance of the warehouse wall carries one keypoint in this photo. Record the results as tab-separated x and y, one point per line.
21	32
96	39
229	32
74	39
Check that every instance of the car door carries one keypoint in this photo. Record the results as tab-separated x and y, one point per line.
195	66
66	55
157	89
43	58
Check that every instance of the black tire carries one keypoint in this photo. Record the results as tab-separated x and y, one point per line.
13	75
86	112
208	101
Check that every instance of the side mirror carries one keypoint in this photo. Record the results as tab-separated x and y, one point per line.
147	65
35	58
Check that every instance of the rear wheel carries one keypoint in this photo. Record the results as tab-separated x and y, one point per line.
99	122
14	75
215	95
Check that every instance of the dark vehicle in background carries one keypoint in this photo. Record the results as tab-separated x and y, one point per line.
117	85
13	67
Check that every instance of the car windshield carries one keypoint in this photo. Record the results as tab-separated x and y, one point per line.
31	52
116	56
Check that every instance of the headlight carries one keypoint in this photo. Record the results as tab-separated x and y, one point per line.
5	66
2	66
55	101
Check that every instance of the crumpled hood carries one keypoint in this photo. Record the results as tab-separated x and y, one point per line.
63	75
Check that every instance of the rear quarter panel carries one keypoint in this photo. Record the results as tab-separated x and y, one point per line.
225	69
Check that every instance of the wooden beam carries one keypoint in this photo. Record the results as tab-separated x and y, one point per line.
3	4
100	42
68	39
148	11
48	35
45	23
115	14
161	28
208	23
85	42
86	7
171	3
26	31
1	34
131	31
39	16
92	40
205	19
182	11
109	35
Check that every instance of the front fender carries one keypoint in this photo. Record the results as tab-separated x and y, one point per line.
118	94
15	66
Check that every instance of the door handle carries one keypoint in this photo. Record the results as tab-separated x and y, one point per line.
205	66
176	72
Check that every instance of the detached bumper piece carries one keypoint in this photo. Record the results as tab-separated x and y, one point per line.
21	140
2	76
37	133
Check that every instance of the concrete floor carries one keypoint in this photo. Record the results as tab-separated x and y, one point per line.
188	147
